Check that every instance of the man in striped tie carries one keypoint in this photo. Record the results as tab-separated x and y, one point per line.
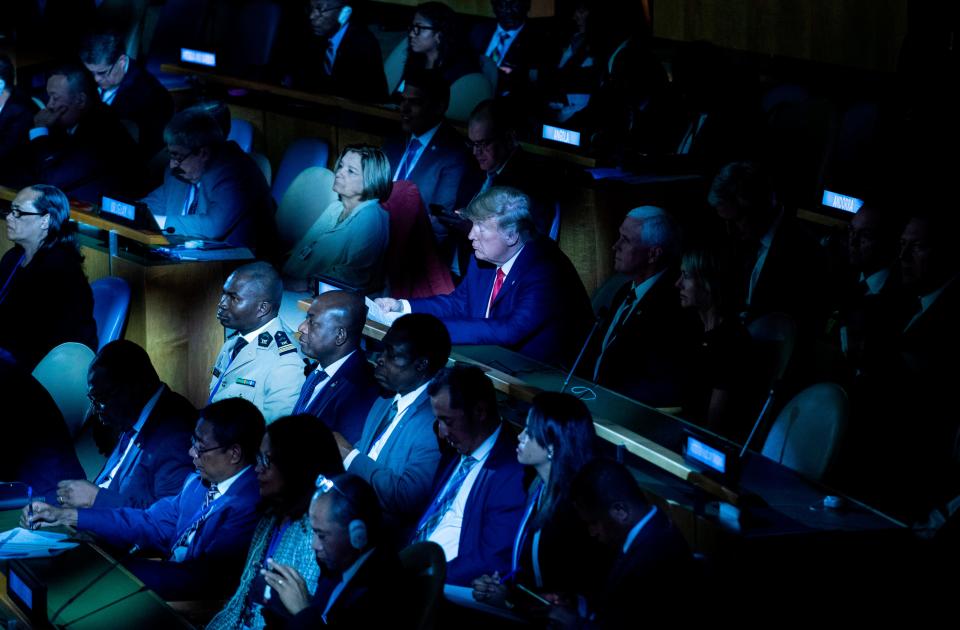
200	534
479	496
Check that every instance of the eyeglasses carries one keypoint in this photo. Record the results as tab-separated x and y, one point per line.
179	159
16	212
315	9
479	145
100	74
416	29
195	445
98	404
263	460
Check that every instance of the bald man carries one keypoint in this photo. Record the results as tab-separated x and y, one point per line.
340	389
260	360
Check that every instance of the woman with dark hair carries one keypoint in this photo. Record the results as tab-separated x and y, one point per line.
348	240
553	551
432	44
43	263
718	383
294	451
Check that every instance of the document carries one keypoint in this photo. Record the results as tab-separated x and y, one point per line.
24	543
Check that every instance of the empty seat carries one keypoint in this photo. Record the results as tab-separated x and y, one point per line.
263	162
806	435
299	156
307	196
63	372
111	303
466	93
241	132
426	569
393	66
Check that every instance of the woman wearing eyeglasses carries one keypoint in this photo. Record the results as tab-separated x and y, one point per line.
432	44
294	451
45	299
552	551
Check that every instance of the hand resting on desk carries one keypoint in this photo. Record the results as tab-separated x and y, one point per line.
77	493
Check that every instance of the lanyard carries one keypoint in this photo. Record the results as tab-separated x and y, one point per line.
522	532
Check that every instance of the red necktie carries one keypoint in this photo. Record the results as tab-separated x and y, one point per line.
497	284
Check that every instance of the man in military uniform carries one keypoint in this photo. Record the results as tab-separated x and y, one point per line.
259	361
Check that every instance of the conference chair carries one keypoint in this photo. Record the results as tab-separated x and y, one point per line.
299	156
426	569
63	372
806	435
263	162
309	193
466	93
241	132
412	264
393	65
111	304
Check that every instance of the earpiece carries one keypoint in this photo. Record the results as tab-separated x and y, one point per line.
3	85
358	534
344	14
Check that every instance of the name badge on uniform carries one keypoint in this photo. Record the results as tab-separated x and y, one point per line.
304	253
246	381
215	372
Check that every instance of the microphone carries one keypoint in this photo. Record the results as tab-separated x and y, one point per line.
764	412
599	319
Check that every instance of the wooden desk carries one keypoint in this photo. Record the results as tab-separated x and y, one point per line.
173	304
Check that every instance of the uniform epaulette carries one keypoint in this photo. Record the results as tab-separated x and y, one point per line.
284	345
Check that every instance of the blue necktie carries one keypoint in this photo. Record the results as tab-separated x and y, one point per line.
179	550
316	377
384	424
406	164
443	502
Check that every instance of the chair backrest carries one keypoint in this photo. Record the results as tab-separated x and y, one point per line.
412	264
111	303
806	435
774	336
309	193
263	163
63	372
300	155
241	132
426	569
393	66
466	93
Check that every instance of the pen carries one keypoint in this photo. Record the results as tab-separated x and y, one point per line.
534	595
29	502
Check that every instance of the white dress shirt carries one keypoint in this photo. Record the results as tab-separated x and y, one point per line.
424	140
447	532
762	252
403	403
144	414
507	42
331	371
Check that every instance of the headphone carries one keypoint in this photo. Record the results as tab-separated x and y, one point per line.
344	14
358	532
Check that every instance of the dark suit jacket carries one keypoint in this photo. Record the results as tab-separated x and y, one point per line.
403	472
373	598
235	204
157	463
525	52
542	309
36	448
357	68
16	119
142	99
99	158
646	360
656	561
344	402
441	169
56	271
492	513
215	557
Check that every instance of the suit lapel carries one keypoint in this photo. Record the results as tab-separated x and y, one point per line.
519	267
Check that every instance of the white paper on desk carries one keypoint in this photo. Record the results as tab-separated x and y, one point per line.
463	596
23	543
377	314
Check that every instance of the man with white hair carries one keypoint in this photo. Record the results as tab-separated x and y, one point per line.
641	348
520	291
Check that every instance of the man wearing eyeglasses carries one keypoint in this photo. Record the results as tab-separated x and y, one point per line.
153	423
342	58
212	190
201	535
130	91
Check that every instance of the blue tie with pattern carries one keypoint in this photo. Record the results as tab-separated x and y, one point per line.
443	502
